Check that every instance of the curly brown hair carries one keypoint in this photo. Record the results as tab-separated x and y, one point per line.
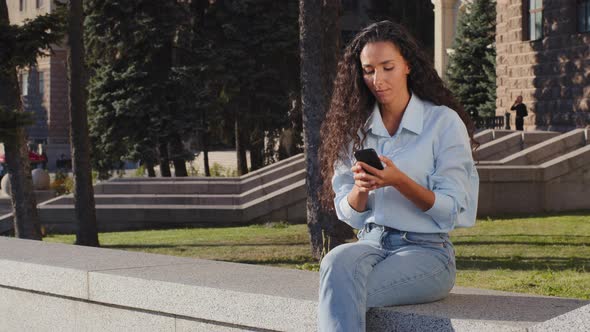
352	101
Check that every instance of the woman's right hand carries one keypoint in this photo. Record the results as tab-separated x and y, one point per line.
361	182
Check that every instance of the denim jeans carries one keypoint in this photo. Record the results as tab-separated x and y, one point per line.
385	267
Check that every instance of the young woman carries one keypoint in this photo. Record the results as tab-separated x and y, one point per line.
387	96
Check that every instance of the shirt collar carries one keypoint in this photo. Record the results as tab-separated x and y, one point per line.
412	119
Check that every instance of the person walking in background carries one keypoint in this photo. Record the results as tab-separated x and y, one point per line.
521	112
389	98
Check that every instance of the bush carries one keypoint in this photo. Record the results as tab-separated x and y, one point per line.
220	171
94	177
140	171
193	168
62	184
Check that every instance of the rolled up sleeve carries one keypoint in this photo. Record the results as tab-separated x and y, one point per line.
454	182
342	183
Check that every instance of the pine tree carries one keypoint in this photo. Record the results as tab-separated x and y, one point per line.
472	67
217	66
259	44
132	94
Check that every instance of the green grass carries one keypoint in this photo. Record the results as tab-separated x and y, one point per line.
547	255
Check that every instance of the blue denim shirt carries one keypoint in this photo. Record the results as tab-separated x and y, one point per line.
432	147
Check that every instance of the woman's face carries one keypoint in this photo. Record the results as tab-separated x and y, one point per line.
385	71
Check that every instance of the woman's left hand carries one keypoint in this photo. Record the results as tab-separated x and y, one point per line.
388	176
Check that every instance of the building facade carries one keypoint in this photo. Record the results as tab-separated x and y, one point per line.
44	88
543	54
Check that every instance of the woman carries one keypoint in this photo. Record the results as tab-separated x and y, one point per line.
387	96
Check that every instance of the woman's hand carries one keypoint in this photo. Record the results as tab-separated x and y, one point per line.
389	176
361	181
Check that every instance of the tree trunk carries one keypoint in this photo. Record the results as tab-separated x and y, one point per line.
205	139
179	167
240	149
177	159
336	231
87	233
256	149
164	161
319	35
24	205
149	165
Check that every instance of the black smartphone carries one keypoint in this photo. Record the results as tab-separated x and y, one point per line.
369	157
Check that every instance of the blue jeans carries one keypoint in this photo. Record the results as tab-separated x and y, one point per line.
385	267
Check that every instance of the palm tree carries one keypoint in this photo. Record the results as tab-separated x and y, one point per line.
84	192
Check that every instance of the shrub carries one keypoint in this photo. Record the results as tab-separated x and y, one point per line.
62	183
220	171
140	171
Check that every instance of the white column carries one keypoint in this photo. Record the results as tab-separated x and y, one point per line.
445	16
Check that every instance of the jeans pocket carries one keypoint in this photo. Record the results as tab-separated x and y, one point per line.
427	239
437	241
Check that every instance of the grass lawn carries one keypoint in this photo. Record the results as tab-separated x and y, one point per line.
547	255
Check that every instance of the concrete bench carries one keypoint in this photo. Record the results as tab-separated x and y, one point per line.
45	286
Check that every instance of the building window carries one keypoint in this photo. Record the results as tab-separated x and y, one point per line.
584	15
41	83
535	19
39	3
24	84
22	5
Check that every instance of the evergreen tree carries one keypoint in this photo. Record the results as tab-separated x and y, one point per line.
472	67
259	43
132	93
216	67
417	16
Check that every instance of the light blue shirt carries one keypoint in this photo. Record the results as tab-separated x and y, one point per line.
432	147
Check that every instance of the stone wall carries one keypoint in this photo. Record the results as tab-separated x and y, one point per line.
550	73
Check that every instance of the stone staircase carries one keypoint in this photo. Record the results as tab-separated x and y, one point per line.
534	172
274	193
520	172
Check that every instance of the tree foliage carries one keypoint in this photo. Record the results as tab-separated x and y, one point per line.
417	16
472	65
167	71
130	50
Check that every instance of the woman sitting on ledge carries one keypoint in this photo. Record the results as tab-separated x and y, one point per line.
387	96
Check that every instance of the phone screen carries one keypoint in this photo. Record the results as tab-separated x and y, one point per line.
369	157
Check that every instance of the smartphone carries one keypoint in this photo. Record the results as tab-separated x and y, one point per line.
369	157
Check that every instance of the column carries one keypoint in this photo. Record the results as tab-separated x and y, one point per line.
445	16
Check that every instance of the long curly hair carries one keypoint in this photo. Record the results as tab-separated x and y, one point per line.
352	101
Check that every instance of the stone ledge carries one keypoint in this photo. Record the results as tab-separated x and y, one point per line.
228	296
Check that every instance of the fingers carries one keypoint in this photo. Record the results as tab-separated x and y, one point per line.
365	177
365	182
364	187
356	168
368	168
386	161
